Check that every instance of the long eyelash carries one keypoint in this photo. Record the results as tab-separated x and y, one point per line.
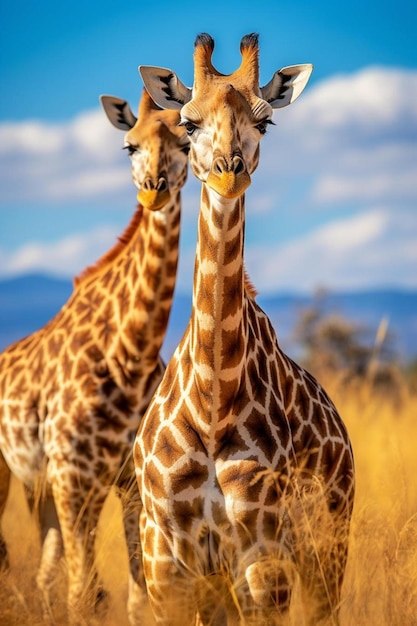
130	149
185	122
264	123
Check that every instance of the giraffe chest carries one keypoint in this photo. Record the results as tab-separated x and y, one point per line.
212	511
183	485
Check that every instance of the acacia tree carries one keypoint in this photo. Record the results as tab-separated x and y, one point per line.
331	344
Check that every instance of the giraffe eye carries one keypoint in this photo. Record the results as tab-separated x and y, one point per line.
131	149
263	125
189	127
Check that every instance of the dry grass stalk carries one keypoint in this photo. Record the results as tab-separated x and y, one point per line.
380	587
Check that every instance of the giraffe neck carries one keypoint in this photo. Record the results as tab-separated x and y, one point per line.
218	326
128	301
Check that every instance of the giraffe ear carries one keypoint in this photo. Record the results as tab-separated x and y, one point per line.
286	85
118	111
164	87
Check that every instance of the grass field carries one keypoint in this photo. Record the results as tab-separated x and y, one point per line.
381	580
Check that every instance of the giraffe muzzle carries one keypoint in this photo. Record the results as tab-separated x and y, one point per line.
154	199
229	176
229	184
154	196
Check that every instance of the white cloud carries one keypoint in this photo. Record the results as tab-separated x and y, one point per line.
370	249
93	134
65	257
361	188
345	127
370	100
353	137
31	138
336	186
57	163
97	181
346	236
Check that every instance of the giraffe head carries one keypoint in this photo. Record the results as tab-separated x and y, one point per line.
225	116
158	148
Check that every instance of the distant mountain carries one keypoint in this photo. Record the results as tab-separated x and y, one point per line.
366	309
28	302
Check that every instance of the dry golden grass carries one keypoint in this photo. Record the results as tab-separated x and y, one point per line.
19	599
381	579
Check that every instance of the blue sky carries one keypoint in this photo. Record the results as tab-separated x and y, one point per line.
333	202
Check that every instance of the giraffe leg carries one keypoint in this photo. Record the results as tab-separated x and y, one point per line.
172	593
214	603
171	604
268	599
4	492
137	596
78	511
42	507
52	551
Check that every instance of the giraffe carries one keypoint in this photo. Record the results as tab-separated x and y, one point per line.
72	394
244	466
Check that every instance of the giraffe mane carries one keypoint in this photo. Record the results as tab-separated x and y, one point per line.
250	289
111	254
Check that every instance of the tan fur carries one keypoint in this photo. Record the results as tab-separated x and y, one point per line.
73	393
244	466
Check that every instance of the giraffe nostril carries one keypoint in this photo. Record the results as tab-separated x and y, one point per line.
219	165
162	184
238	165
148	184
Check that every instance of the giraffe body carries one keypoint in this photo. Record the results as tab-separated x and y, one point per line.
72	394
244	466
